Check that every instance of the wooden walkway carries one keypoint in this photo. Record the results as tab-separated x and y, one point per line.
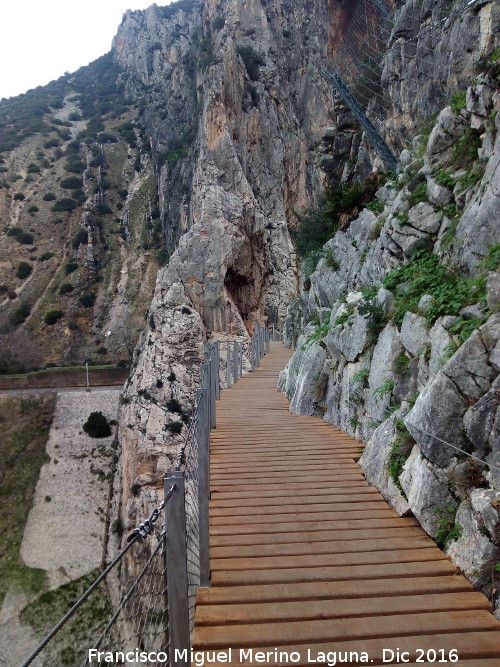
306	556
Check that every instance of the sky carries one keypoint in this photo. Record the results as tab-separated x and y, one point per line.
41	40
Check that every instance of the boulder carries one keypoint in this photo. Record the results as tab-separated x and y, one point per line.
426	490
374	462
472	552
436	419
438	194
424	217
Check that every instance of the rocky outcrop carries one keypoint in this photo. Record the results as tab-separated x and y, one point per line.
400	319
233	104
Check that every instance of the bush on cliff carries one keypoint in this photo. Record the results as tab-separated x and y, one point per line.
97	426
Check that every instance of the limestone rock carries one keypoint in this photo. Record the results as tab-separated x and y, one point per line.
437	417
374	462
493	290
473	552
414	332
424	217
438	194
425	490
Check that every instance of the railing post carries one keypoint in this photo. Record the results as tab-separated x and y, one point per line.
228	364
235	361
177	582
217	370
240	359
212	388
203	437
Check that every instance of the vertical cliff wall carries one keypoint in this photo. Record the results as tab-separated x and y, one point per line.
396	327
232	99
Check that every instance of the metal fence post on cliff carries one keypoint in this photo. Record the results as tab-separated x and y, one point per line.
217	369
214	370
177	581
203	436
228	364
235	361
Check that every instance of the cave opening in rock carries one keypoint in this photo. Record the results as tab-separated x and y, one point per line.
241	290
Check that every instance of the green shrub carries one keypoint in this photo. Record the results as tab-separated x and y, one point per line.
19	196
74	166
20	314
97	426
33	209
66	288
53	316
444	178
402	364
458	101
49	196
447	530
361	377
74	115
175	427
71	183
382	391
20	235
33	168
466	148
173	405
46	256
70	268
103	209
25	238
333	211
375	315
23	270
88	299
252	60
65	204
418	194
424	274
330	260
80	238
492	260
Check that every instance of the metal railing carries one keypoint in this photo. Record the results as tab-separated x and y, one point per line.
156	611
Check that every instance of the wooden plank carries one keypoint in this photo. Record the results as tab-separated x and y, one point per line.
418	582
271	612
312	526
339	573
308	547
476	645
280	502
301	514
302	506
296	491
274	538
343	629
304	553
314	560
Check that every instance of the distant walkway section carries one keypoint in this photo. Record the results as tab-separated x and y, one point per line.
307	558
65	377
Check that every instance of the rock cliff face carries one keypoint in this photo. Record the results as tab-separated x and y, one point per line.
232	99
234	103
397	328
199	145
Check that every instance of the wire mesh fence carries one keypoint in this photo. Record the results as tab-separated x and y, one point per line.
166	558
404	60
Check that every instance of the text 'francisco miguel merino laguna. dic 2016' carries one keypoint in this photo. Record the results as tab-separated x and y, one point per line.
276	657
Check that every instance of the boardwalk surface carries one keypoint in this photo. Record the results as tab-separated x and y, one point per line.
306	557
